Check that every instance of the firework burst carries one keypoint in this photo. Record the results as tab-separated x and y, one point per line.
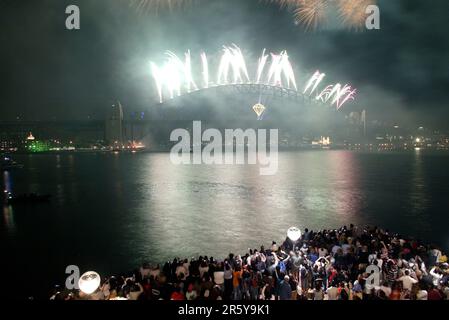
353	12
311	13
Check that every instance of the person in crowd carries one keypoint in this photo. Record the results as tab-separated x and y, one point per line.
135	292
237	283
407	281
285	290
191	293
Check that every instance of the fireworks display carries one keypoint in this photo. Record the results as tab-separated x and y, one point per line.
232	60
314	14
314	82
175	76
337	95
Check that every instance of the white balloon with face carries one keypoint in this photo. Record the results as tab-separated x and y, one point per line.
294	234
89	282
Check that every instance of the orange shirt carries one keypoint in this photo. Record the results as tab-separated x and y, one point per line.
395	295
236	275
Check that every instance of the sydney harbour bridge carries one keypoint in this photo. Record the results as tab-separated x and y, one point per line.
232	96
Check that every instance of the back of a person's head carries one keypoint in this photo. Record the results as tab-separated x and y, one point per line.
135	288
59	296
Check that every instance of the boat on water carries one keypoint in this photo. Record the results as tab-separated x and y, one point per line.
7	163
31	198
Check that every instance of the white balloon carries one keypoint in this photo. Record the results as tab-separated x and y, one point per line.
294	234
89	282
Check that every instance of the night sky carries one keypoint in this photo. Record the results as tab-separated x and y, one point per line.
48	72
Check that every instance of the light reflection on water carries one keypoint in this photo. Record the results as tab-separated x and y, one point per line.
419	195
8	212
141	207
8	216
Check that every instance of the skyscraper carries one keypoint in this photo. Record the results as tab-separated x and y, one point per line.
363	120
114	126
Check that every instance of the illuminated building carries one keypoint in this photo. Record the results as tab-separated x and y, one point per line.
114	126
324	142
36	146
30	137
6	145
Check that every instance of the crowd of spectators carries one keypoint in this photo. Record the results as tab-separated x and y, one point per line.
349	263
